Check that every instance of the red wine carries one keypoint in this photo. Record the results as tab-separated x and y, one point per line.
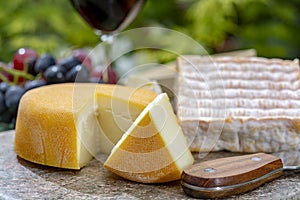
107	15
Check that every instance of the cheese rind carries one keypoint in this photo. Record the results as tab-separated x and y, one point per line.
154	149
241	104
58	125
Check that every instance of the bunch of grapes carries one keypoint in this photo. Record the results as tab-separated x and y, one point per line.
28	70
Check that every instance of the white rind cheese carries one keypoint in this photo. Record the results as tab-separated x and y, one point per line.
242	104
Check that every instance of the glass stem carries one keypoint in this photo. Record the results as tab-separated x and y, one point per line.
107	40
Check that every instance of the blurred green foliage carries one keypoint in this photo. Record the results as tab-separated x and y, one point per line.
272	27
44	25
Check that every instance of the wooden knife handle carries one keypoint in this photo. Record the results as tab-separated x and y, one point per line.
232	175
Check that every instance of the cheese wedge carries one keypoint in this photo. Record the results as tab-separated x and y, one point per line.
154	149
239	104
65	125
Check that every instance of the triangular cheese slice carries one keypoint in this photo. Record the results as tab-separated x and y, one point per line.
154	149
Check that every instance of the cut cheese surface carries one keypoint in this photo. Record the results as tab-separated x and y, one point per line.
253	101
64	125
153	149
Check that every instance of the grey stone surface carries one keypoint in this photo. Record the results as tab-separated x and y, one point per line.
20	179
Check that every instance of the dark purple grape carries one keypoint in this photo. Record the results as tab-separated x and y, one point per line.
6	117
12	98
70	62
83	56
34	84
14	120
3	87
30	64
79	74
45	61
55	74
2	103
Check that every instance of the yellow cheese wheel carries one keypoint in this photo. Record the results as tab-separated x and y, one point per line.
65	125
154	149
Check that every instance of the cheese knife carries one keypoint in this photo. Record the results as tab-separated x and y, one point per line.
228	176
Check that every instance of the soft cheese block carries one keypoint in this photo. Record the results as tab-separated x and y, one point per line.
154	149
65	125
239	104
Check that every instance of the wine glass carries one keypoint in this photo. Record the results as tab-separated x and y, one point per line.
108	17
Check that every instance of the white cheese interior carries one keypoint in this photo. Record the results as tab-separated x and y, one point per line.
91	138
162	114
87	134
100	124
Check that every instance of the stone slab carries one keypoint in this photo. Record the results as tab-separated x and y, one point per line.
20	179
